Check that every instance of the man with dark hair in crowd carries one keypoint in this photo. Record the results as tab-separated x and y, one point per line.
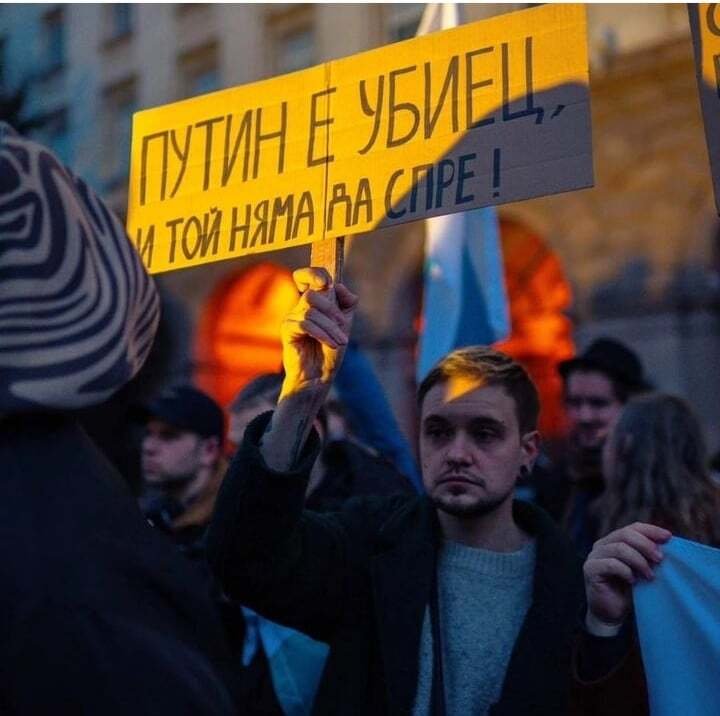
597	384
257	396
344	468
458	601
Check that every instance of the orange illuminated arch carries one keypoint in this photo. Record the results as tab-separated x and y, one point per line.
239	331
538	294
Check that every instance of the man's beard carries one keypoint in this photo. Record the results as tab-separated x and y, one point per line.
580	439
476	509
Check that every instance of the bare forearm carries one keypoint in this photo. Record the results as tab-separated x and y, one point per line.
290	426
314	335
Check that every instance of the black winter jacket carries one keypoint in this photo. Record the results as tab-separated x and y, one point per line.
99	614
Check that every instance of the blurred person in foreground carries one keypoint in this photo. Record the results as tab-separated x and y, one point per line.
98	614
458	601
596	385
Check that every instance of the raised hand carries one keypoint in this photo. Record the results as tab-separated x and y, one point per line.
316	331
314	336
618	561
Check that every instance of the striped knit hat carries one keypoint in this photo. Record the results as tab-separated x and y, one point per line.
78	311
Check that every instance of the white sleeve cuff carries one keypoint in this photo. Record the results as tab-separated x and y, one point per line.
597	627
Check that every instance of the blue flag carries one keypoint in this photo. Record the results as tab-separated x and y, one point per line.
296	661
464	301
678	620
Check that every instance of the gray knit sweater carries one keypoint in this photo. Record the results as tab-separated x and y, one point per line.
484	597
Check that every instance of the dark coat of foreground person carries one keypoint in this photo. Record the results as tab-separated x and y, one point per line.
360	579
99	614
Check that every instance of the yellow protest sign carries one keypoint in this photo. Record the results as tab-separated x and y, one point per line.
485	113
705	26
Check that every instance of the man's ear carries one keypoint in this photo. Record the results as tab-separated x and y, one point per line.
530	445
210	450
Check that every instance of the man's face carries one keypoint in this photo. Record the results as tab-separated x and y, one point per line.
170	455
470	446
591	406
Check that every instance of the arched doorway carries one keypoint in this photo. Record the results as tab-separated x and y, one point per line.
239	330
538	294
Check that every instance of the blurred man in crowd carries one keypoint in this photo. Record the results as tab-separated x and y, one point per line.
182	462
345	467
183	466
257	396
597	384
459	601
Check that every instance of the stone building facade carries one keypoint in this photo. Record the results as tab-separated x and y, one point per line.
635	257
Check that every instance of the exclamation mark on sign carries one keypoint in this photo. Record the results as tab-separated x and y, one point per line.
496	172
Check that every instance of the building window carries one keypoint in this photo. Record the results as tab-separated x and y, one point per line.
401	20
199	72
291	36
117	21
53	41
119	102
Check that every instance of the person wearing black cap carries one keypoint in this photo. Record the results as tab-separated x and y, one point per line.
182	461
183	467
597	384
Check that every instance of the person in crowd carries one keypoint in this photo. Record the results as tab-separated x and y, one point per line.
182	462
597	383
183	466
457	601
256	397
655	466
358	413
99	614
345	468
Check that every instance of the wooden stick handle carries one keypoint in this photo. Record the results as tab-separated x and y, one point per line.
330	255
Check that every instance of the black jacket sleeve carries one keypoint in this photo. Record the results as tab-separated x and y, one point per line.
300	568
608	676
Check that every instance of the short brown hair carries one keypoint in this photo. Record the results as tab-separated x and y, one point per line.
493	368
